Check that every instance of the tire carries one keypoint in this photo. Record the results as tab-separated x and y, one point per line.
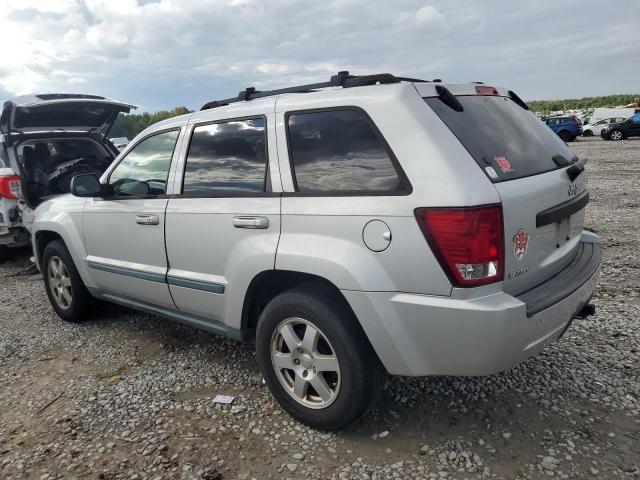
4	253
354	378
587	133
565	136
616	135
67	294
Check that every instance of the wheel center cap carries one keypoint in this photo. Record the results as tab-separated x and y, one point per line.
306	360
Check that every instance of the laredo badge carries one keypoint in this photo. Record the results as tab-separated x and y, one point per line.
520	243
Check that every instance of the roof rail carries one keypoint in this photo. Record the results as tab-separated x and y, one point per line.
342	79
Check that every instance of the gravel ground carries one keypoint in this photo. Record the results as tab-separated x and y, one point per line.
129	395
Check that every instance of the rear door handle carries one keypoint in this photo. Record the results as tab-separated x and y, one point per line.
251	222
147	219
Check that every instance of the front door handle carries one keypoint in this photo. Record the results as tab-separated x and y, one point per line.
251	222
147	219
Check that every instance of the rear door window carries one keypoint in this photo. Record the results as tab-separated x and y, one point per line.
340	151
505	140
227	157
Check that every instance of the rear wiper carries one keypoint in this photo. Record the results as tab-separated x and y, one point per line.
560	161
575	170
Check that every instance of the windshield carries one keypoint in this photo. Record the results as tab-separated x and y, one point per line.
504	139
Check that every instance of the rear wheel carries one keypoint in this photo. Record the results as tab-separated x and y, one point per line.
616	135
316	360
4	253
68	296
565	136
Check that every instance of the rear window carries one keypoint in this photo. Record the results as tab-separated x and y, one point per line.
340	151
505	140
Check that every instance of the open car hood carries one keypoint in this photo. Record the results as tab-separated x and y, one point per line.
60	112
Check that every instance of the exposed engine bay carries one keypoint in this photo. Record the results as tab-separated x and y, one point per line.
48	165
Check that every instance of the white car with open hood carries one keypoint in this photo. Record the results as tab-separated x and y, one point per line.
45	140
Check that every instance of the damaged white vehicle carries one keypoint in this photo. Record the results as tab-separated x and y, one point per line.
45	140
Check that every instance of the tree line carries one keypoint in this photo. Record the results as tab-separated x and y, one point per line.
584	103
131	124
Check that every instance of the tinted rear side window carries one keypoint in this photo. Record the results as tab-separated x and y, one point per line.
505	140
340	151
227	157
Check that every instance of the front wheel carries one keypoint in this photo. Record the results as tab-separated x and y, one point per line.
316	360
68	296
4	253
587	133
616	135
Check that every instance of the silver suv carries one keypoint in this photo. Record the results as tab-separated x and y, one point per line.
358	227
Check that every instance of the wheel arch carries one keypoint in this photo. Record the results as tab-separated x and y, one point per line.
50	232
41	239
267	284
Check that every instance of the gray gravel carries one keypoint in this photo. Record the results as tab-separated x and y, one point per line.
129	395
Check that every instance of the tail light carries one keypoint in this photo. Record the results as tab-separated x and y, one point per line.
10	186
468	242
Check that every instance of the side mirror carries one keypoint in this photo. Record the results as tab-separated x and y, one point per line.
86	185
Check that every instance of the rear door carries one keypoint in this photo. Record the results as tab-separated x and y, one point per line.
543	208
223	223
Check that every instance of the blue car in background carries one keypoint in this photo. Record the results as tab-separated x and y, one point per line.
567	127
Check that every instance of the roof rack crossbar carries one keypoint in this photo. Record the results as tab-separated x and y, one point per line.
342	79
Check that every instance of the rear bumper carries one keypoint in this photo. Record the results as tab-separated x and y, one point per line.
423	335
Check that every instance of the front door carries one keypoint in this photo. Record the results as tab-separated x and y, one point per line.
223	223
124	233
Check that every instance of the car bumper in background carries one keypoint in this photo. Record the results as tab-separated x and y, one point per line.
427	335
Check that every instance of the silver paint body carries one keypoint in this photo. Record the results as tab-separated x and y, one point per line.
416	321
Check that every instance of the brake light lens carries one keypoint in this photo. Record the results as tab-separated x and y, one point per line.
10	187
468	242
484	90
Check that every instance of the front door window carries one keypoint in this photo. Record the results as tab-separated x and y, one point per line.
144	170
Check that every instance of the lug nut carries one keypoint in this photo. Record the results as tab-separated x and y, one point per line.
297	361
305	373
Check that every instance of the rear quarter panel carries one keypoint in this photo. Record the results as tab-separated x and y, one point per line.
323	235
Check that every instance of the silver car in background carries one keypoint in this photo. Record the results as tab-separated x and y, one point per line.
353	228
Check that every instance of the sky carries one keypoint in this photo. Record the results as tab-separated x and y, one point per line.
161	54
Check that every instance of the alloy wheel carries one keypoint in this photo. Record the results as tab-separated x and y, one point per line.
59	282
616	135
305	363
